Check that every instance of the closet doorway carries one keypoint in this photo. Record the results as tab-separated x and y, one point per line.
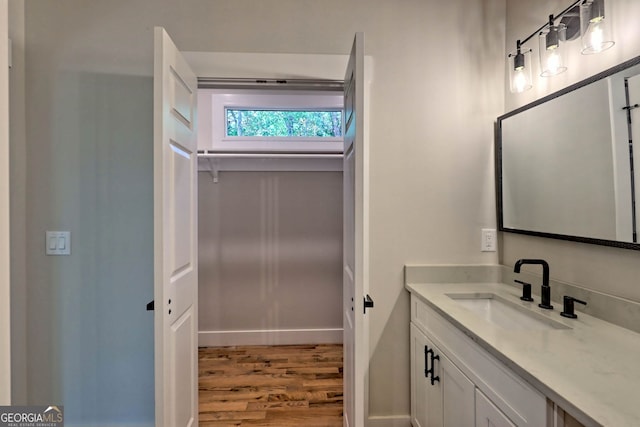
174	99
270	215
270	209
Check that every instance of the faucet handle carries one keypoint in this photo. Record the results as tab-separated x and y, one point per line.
568	310
526	290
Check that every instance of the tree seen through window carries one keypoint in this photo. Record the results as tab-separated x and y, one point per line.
284	123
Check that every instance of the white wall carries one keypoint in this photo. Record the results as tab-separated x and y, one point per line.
90	171
5	262
610	270
436	91
18	204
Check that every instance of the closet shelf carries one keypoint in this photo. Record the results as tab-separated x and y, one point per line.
215	162
256	155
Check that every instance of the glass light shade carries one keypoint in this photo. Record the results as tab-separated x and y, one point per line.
552	50
594	28
519	64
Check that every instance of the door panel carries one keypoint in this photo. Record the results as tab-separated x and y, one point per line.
181	224
356	357
182	102
175	227
183	381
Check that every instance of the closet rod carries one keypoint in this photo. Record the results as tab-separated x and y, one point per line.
270	155
284	83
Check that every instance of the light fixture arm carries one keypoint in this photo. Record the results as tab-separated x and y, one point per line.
551	21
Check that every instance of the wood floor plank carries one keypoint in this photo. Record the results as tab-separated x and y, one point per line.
299	385
232	415
224	406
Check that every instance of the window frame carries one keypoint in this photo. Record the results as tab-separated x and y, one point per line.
213	103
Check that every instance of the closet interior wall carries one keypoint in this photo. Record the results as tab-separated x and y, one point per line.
270	257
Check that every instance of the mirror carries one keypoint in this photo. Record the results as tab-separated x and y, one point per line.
564	163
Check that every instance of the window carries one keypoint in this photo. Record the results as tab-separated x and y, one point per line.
264	121
284	123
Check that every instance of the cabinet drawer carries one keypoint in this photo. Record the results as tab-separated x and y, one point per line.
520	402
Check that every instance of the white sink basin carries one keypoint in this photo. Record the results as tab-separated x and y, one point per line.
504	313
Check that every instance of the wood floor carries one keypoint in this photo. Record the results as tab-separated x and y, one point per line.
298	385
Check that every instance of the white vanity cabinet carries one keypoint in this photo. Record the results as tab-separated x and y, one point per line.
441	394
426	399
456	383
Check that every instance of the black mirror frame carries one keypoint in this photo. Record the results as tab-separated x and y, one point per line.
498	161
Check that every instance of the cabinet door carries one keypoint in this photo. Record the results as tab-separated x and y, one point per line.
458	395
488	415
426	399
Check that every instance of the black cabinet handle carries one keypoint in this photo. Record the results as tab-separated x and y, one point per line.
433	357
150	306
426	361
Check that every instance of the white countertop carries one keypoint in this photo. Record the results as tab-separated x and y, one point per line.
591	370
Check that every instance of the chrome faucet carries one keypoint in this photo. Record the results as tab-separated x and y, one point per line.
545	291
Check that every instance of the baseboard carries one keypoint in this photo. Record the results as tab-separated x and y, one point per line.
390	421
269	337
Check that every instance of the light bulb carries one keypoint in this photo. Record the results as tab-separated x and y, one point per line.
520	81
597	37
595	28
551	49
519	69
554	62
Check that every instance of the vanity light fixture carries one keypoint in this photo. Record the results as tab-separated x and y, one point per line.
519	71
582	17
596	35
551	41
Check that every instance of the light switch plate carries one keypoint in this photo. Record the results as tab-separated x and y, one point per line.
489	240
58	242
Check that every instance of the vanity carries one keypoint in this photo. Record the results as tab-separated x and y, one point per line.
481	356
483	353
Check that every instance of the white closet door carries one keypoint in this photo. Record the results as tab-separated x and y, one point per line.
356	348
175	237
